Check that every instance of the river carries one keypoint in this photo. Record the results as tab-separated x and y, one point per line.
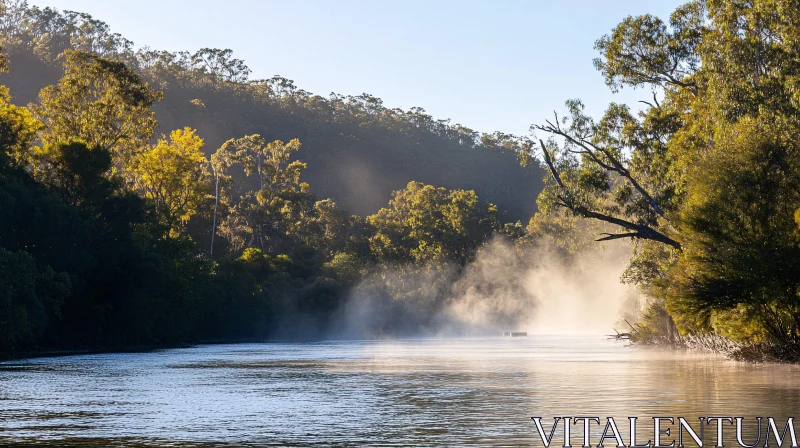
431	392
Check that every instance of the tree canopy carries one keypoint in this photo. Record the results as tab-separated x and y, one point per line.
99	101
708	171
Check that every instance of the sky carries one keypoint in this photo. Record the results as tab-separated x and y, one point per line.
493	65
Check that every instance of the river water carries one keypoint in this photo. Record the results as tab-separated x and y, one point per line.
435	392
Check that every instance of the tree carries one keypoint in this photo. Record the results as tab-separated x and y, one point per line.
98	101
425	223
643	51
221	161
173	174
76	173
29	298
18	130
621	170
743	248
614	171
257	218
712	169
268	162
218	66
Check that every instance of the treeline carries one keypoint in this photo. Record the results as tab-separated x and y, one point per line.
358	150
706	179
99	223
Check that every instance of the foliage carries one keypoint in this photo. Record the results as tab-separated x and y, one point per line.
424	223
174	176
706	180
75	172
743	249
99	101
257	218
29	298
18	129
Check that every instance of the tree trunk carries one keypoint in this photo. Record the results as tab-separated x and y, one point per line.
214	225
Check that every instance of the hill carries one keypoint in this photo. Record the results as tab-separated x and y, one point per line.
358	150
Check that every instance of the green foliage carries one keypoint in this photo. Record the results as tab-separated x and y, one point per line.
174	176
344	266
265	217
18	129
30	298
643	51
99	101
424	223
656	326
707	179
75	172
742	242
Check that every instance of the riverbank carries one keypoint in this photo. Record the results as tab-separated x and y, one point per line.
75	352
733	350
141	348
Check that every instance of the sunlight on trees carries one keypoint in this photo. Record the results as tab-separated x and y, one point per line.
173	174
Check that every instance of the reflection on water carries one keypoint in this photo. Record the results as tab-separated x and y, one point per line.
389	393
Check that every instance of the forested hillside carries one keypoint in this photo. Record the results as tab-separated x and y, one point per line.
150	198
358	151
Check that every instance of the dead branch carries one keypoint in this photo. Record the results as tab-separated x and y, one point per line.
590	149
566	200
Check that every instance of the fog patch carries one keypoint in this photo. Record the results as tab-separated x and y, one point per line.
506	288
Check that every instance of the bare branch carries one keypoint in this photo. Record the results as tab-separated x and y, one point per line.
549	161
635	230
616	166
617	236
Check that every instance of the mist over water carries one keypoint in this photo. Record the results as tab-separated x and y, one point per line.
505	288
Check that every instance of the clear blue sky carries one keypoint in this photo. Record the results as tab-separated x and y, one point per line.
490	65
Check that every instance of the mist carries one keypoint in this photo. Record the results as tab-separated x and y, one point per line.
535	289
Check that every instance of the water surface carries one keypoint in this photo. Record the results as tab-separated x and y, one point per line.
479	392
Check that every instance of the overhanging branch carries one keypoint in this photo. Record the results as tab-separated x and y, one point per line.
590	149
566	199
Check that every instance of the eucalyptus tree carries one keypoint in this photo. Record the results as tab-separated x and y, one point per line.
100	102
221	162
268	162
256	217
219	66
18	130
423	223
